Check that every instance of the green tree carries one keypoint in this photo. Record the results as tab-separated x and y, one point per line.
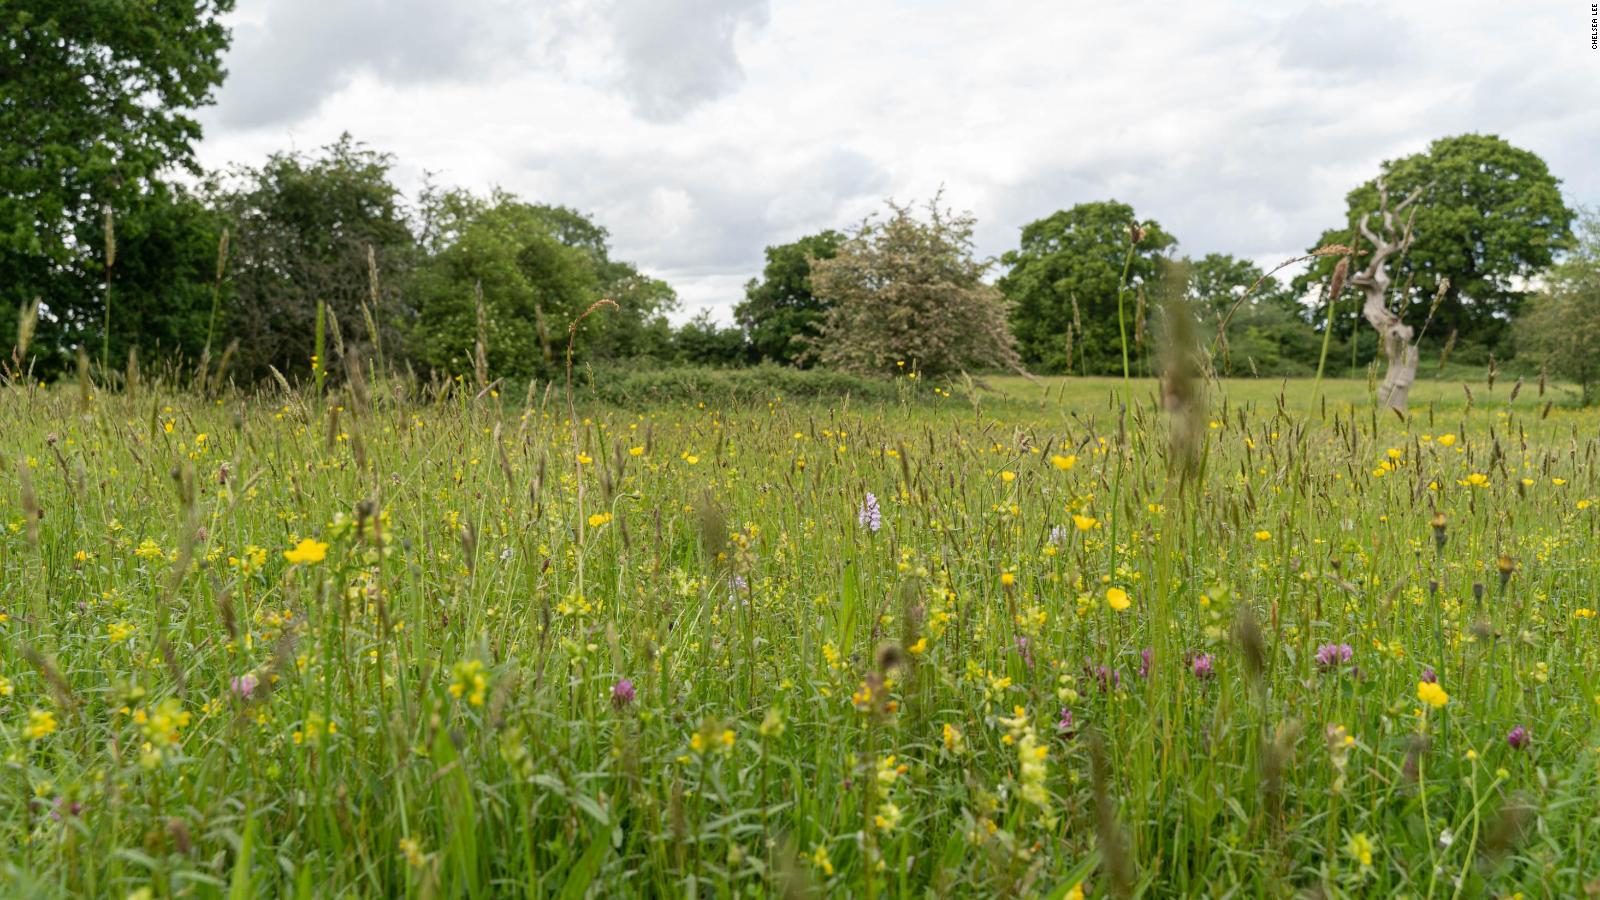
94	108
1218	280
1560	325
780	311
702	342
908	291
538	268
302	227
165	273
1063	280
1268	332
1490	216
639	326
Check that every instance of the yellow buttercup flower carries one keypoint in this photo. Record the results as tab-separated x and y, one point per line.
1063	462
1084	523
306	552
1431	694
1117	599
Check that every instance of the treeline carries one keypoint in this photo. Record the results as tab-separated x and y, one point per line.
1490	224
243	259
237	264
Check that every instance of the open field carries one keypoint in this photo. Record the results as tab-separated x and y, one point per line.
995	644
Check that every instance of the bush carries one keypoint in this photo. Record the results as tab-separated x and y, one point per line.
757	384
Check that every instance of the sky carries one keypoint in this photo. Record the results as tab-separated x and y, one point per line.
700	131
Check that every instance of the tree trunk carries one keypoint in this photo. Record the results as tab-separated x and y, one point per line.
1394	335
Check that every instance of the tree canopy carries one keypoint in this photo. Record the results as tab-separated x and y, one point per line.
910	292
537	268
780	312
1490	216
1063	280
1560	327
95	103
303	226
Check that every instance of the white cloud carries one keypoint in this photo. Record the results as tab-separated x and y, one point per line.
700	131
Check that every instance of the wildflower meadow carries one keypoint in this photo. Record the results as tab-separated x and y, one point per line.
1019	642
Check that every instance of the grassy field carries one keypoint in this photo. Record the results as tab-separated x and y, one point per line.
989	642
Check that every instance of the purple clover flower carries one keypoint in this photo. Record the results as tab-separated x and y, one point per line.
622	693
1518	738
1331	656
1202	666
244	685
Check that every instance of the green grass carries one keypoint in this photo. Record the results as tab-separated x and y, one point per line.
815	706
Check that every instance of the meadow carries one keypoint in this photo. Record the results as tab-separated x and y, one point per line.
985	640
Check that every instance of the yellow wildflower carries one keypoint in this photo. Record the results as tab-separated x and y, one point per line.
41	723
1433	695
307	552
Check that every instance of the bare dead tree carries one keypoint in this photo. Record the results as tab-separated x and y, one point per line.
1393	333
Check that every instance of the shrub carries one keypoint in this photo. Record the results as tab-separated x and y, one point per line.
757	384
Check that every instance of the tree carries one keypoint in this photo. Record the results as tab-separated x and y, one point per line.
1560	325
1386	238
904	291
537	269
702	342
94	104
302	231
1063	282
1267	333
1490	216
165	274
780	311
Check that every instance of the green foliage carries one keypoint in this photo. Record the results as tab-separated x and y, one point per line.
1062	283
94	107
538	268
780	311
1560	326
302	227
167	244
702	342
910	293
1267	334
751	385
1491	215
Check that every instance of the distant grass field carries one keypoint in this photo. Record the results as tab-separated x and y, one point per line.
1299	394
997	643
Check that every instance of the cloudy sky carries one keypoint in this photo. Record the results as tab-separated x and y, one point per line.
699	131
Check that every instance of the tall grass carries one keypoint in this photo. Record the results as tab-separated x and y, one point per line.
405	640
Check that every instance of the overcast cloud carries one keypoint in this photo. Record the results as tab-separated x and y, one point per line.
699	131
